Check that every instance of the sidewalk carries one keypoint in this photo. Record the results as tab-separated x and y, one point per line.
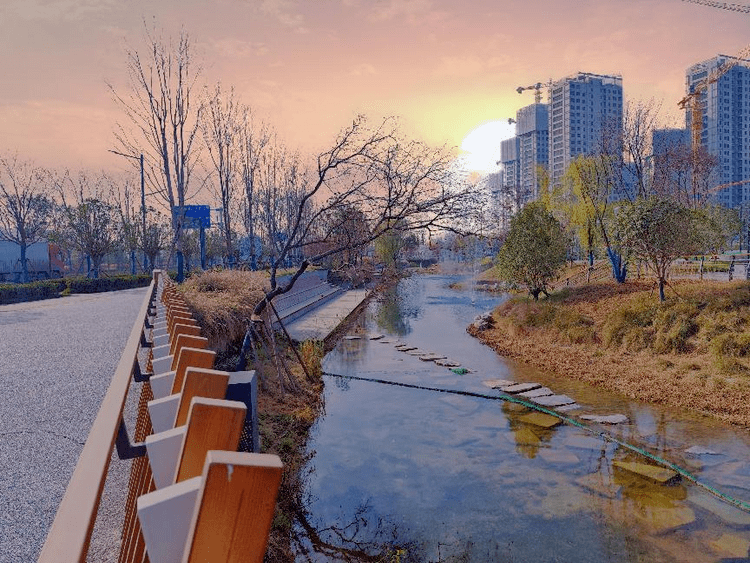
321	321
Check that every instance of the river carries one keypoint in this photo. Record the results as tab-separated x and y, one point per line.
402	473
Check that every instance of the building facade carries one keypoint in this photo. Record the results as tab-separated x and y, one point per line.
725	126
532	131
585	117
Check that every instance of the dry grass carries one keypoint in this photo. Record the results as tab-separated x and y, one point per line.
222	302
692	352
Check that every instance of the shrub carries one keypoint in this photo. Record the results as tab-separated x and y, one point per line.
631	325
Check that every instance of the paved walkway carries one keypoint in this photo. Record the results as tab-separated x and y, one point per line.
57	358
321	321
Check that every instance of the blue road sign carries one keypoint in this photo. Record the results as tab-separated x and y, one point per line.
196	216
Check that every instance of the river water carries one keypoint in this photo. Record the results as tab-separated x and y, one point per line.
404	474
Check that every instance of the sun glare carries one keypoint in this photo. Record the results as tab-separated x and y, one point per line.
482	145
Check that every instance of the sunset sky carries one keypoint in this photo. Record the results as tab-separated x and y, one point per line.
309	66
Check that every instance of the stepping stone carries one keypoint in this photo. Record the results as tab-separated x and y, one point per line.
405	348
698	450
558	457
726	512
568	408
519	388
431	357
652	472
376	336
538	392
497	383
385	341
554	400
731	545
352	337
447	363
541	419
599	484
416	352
607	419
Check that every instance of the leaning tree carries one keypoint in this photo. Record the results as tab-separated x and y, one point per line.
391	182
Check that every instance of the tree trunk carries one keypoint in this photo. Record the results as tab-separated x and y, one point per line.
24	264
661	290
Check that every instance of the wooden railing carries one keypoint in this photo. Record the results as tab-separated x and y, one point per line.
69	536
189	486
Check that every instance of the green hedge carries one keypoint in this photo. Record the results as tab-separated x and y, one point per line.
47	289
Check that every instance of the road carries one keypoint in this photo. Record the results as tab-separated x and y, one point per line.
56	361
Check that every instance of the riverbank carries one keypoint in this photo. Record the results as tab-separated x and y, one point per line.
691	352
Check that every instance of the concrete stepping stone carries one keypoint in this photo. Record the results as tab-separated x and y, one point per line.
554	400
599	484
519	388
417	352
559	457
405	348
605	419
568	408
497	383
724	511
699	450
446	363
376	336
654	473
352	337
540	419
731	545
431	357
538	392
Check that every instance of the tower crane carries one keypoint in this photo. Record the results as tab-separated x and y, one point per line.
692	103
537	90
722	5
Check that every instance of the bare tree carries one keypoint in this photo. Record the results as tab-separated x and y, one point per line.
254	139
639	121
25	206
88	218
130	222
221	126
159	105
391	181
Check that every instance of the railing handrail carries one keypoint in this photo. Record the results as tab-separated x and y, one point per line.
69	536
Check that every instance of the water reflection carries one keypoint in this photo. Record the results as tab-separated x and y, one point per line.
412	475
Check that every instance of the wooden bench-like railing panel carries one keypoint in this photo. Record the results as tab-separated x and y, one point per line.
213	424
235	508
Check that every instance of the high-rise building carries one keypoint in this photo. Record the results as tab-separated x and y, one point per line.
585	117
506	197
532	128
725	127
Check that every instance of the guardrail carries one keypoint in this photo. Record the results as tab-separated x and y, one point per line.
189	486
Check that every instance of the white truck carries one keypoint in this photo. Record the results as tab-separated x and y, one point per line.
44	260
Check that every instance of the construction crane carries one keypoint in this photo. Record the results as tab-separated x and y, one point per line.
692	102
722	5
537	90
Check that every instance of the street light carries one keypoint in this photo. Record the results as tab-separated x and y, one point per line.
143	193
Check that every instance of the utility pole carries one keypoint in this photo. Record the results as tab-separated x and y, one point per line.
143	197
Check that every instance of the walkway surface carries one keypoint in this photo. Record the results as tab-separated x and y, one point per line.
321	321
57	358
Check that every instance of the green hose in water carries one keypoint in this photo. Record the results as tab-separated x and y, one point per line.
742	505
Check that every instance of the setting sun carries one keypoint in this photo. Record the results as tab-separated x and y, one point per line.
482	145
